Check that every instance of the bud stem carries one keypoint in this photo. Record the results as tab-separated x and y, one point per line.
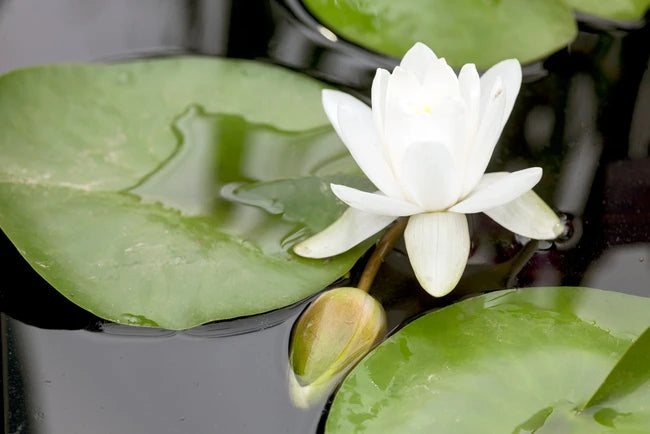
382	249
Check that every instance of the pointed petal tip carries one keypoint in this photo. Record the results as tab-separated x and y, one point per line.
336	97
514	64
512	76
436	289
417	60
469	68
533	173
326	95
529	216
509	68
302	249
380	74
420	49
442	61
558	228
332	97
329	92
440	292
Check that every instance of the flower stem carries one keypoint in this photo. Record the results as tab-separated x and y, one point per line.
384	246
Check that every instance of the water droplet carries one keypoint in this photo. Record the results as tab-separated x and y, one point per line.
139	320
124	77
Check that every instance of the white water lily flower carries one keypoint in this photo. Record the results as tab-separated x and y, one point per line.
425	144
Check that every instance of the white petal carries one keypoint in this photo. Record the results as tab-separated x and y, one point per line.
418	60
491	178
440	83
528	215
470	90
353	122
430	176
496	190
486	138
374	203
402	85
438	248
360	137
510	73
378	96
402	128
350	229
399	97
332	99
499	89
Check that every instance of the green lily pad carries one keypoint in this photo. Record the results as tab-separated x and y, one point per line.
514	361
477	31
116	185
615	9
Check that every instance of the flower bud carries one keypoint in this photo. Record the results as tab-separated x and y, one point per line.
336	331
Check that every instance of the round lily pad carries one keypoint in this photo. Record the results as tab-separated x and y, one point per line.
514	361
463	31
141	190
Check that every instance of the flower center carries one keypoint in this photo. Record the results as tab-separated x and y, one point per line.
426	108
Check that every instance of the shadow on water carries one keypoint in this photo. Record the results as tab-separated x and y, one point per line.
582	115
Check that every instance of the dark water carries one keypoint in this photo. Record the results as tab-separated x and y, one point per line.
583	115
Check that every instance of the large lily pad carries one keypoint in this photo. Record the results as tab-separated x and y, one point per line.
128	186
478	31
514	361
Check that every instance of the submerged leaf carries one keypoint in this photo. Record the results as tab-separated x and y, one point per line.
110	183
298	199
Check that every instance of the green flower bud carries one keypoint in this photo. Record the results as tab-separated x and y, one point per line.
336	331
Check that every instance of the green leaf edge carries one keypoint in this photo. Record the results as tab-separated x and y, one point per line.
619	382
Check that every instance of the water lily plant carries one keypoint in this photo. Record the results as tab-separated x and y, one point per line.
425	144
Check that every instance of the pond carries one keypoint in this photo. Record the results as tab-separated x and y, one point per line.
582	114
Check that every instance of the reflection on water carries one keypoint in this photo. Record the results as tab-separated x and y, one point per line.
219	153
633	258
35	32
584	145
83	382
218	149
582	115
